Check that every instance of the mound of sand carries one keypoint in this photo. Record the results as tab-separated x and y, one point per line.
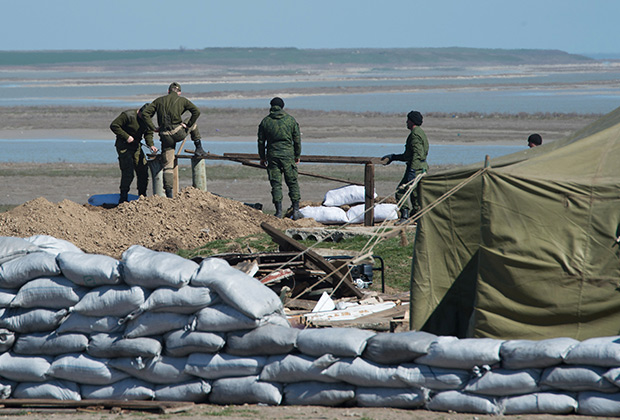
189	220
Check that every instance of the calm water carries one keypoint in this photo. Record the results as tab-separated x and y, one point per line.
103	151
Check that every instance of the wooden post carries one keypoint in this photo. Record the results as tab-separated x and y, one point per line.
369	193
175	183
199	174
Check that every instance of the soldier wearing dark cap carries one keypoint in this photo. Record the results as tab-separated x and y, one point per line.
416	150
279	148
129	130
172	128
534	140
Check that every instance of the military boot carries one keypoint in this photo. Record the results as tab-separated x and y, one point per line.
278	206
296	213
404	216
124	196
200	152
169	192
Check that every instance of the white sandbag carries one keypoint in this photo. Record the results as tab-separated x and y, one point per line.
31	320
297	368
522	354
345	342
51	390
435	378
613	376
6	297
155	323
505	382
50	344
11	248
450	352
153	269
245	390
79	323
318	393
264	340
396	348
48	292
347	195
223	317
52	245
241	291
158	370
577	378
124	390
390	397
462	403
117	301
184	300
598	404
538	403
84	369
222	365
6	388
18	271
325	215
382	212
364	373
599	351
7	339
194	391
182	343
114	345
24	368
91	270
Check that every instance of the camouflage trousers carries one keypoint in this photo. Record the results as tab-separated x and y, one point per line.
276	167
133	161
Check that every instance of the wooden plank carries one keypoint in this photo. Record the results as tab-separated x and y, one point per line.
369	194
314	158
321	263
159	406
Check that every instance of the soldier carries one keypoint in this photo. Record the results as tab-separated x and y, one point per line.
129	130
279	148
172	128
534	140
416	150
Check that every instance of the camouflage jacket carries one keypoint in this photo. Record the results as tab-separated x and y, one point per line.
172	105
279	135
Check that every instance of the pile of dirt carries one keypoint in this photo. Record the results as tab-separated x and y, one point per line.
187	221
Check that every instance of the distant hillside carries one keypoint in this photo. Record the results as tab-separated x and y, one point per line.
292	57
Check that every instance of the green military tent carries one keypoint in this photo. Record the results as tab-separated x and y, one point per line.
523	247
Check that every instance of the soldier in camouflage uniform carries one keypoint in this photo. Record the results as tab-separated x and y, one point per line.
279	148
416	150
129	130
172	128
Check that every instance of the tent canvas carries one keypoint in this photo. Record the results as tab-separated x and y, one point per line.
525	249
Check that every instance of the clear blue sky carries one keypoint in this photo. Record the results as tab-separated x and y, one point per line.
575	26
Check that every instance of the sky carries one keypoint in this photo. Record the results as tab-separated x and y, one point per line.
574	26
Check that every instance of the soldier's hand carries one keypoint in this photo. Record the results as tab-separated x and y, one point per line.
389	158
154	149
263	162
130	139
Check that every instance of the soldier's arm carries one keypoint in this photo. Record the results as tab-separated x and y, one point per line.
117	126
147	116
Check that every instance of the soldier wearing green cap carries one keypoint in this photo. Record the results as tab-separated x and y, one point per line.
129	130
279	148
172	128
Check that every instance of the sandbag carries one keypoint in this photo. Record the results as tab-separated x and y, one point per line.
523	354
598	404
297	368
155	323
184	300
48	292
84	369
194	391
7	339
79	323
347	195
599	351
325	215
31	320
51	344
53	389
245	390
24	368
396	348
538	403
382	212
11	248
6	297
114	345
505	382
221	318
462	403
363	373
390	397
52	245
264	340
6	388
430	377
153	269
577	378
222	365
125	390
450	352
182	343
345	342
157	370
17	272
91	270
318	393
239	290
116	301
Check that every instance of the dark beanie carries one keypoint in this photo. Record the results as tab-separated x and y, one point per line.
535	139
277	102
415	117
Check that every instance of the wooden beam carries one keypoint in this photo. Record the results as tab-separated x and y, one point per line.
314	158
369	195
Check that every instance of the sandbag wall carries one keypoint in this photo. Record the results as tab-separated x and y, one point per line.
156	326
